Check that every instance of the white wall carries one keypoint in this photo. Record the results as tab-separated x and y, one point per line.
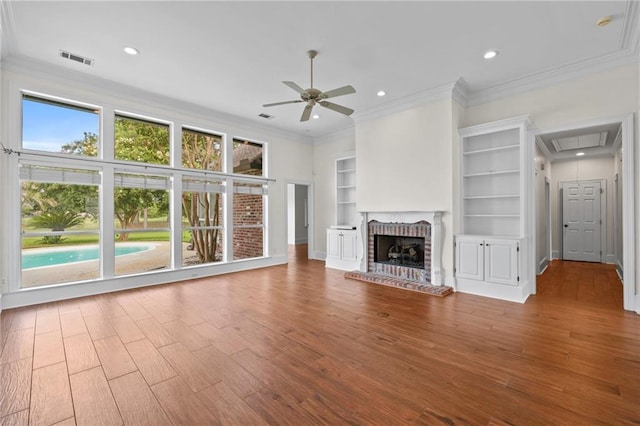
594	96
617	169
326	150
582	169
65	83
291	213
300	222
404	162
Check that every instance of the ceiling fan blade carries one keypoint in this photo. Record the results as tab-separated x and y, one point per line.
307	112
337	108
346	90
282	103
294	86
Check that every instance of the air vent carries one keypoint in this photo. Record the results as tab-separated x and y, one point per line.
76	58
265	116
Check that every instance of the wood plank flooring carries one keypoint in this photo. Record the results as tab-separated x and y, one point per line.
298	344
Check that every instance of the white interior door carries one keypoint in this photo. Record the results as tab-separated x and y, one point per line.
581	221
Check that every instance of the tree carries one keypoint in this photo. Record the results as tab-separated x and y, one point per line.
56	220
202	209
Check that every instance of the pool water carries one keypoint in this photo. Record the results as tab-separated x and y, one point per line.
60	257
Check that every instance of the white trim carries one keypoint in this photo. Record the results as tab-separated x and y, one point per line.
552	76
423	97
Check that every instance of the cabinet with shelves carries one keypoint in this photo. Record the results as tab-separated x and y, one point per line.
491	246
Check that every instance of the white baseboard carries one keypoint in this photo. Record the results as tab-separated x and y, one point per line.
302	241
620	270
555	254
610	258
319	255
637	304
37	295
517	293
542	265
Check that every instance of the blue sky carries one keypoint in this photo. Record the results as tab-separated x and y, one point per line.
46	127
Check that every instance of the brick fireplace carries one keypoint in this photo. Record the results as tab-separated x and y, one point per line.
404	245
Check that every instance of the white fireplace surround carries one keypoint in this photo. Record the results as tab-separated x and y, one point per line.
433	217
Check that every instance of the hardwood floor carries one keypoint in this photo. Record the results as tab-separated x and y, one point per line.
298	344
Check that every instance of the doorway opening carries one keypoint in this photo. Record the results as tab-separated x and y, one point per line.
589	181
299	235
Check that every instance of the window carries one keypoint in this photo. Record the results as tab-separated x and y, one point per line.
247	157
248	220
142	231
57	127
60	225
202	221
201	151
141	141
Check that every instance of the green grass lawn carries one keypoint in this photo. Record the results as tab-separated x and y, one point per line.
134	236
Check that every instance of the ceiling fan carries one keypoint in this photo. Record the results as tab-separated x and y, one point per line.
313	96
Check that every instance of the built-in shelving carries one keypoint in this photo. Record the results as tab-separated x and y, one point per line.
346	191
488	150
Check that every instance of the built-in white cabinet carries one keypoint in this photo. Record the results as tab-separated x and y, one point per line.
490	260
342	249
492	217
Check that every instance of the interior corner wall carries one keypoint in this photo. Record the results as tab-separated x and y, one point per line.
598	95
404	162
300	215
326	150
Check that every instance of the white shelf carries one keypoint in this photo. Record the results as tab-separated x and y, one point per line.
487	197
345	187
488	150
492	215
491	173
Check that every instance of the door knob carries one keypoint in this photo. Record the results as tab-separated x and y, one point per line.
566	226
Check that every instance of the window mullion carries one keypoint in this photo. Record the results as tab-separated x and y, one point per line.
107	226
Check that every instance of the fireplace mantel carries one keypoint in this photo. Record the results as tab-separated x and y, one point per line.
433	217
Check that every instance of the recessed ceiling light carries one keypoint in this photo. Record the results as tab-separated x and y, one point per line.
381	93
604	21
490	54
131	50
579	154
316	116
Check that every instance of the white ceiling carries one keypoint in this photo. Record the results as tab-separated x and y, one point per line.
595	141
233	56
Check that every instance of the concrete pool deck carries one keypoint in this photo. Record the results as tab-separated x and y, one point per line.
144	261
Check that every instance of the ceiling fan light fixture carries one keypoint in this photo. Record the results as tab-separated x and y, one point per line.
490	54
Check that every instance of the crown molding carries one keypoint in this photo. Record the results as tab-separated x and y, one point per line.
402	104
6	28
552	76
344	132
110	89
630	36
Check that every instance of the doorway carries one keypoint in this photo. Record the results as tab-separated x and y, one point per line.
573	139
582	220
298	220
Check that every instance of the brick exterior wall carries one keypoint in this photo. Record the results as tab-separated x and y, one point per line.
247	210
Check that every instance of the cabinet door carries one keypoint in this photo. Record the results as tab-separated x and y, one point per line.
470	258
501	261
334	239
349	246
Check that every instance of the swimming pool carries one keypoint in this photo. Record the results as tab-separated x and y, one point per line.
37	259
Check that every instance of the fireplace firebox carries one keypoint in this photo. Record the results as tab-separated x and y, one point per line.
399	250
